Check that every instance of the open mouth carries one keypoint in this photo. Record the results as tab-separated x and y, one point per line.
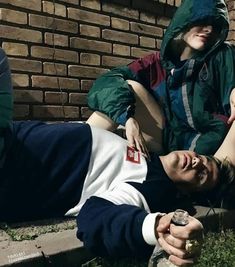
186	161
204	38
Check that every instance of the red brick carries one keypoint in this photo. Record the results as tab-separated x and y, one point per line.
54	54
55	9
88	30
85	113
120	10
147	42
55	82
20	80
93	4
25	65
177	2
13	16
171	2
158	44
114	61
120	36
56	97
120	24
86	85
15	49
90	59
92	17
85	72
231	36
31	96
122	50
78	98
56	39
231	5
140	52
92	45
53	23
163	21
56	112
32	4
54	69
147	18
21	111
232	24
231	15
19	34
146	29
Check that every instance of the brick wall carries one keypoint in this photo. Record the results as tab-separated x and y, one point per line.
57	48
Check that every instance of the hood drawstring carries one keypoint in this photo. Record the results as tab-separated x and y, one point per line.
190	68
204	73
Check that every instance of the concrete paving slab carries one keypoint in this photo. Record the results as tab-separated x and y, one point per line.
56	249
18	253
215	219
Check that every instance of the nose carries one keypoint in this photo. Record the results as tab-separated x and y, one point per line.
196	162
208	28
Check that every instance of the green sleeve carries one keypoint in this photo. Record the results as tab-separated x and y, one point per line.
6	102
111	94
224	67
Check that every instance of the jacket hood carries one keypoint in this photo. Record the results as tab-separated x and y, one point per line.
190	13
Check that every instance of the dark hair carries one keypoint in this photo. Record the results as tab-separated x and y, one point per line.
224	189
226	170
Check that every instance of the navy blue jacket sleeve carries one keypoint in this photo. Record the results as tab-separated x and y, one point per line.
112	230
6	105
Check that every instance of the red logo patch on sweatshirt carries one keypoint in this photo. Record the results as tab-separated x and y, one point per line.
132	155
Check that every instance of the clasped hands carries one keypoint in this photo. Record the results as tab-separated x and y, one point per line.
182	243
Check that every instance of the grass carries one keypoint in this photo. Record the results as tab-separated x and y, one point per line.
31	230
218	248
218	251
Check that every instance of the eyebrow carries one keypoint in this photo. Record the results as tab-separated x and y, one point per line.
213	167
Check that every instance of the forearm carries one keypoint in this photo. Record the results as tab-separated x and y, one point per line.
115	230
226	150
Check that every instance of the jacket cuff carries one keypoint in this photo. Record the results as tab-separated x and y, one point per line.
149	226
129	113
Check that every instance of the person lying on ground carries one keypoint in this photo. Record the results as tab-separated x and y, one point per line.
116	195
49	170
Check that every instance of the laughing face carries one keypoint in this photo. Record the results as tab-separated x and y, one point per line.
191	172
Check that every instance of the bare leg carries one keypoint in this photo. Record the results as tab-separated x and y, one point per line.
227	148
100	120
149	116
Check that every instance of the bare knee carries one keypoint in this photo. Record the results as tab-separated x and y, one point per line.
100	120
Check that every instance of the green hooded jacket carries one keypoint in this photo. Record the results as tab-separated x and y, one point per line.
194	93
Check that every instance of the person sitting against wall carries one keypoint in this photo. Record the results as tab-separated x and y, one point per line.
182	97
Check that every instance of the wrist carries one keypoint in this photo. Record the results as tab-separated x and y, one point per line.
129	113
149	227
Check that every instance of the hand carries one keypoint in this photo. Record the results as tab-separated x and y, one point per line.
173	238
135	138
232	107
